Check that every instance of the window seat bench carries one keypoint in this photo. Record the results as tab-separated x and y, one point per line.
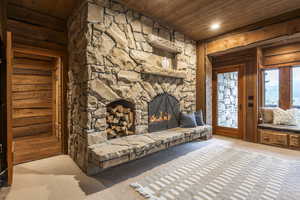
120	150
280	135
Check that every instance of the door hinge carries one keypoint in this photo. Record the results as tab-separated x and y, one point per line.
1	148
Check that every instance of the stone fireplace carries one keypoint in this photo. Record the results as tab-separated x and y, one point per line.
120	57
163	112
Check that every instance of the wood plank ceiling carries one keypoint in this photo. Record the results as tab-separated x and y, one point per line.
194	17
191	17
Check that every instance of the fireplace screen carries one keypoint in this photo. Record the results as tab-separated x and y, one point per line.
163	112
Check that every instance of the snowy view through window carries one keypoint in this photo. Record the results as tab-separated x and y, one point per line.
271	78
296	86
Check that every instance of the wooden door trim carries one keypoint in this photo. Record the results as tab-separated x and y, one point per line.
285	88
60	56
239	133
285	85
9	71
278	66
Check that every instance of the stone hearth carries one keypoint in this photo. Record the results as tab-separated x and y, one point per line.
121	150
117	54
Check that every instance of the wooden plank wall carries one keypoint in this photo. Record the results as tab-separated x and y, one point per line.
281	55
35	29
35	107
249	58
32	95
45	33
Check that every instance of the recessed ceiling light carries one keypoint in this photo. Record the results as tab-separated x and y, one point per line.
215	26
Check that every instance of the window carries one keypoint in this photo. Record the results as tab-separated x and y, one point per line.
271	88
296	87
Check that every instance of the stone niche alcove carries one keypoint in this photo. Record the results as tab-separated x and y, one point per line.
120	119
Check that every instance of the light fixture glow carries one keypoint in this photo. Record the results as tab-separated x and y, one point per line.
215	26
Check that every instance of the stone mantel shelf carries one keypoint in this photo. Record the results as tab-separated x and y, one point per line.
153	70
163	44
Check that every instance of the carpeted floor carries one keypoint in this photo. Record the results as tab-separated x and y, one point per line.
58	178
222	173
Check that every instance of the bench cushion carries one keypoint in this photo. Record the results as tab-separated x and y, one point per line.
188	120
295	129
267	115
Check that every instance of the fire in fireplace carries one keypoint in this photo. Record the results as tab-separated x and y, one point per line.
163	112
163	116
120	119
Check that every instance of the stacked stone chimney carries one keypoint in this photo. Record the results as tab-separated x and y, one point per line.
109	52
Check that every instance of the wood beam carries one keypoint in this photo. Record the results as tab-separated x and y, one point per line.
249	39
200	78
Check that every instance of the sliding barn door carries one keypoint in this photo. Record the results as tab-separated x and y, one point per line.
35	85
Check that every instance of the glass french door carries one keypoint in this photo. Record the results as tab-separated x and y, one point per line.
228	101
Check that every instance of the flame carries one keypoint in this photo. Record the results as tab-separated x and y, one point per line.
162	117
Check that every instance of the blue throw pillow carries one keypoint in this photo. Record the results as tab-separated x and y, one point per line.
188	120
199	118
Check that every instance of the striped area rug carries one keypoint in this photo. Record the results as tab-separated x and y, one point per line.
223	173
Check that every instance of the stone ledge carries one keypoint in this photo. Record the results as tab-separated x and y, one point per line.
163	44
117	151
162	72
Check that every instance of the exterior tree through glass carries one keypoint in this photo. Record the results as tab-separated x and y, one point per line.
271	88
296	86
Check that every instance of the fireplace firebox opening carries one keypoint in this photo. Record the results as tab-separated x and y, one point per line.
163	112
